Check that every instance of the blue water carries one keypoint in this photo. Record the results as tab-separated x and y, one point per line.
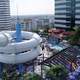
53	40
55	43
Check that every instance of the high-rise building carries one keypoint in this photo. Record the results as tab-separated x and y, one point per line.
34	22
67	13
4	15
77	13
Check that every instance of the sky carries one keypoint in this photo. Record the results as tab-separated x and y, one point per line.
31	7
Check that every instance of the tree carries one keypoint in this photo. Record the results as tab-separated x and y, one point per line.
75	39
32	76
57	72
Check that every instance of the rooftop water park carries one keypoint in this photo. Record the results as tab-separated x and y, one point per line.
48	54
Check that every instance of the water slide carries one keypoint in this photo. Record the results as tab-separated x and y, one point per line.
12	52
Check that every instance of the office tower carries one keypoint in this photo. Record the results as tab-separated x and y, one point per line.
4	15
64	13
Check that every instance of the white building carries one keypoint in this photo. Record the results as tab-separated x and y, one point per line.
65	12
4	15
77	13
33	22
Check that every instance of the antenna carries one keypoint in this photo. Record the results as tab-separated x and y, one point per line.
18	29
17	14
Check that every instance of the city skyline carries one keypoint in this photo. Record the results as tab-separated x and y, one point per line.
31	7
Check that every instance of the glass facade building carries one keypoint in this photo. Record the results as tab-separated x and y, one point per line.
67	13
4	15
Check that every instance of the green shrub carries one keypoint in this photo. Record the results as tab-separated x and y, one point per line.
57	72
32	76
74	40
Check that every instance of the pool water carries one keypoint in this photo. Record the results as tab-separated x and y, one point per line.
56	47
53	40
